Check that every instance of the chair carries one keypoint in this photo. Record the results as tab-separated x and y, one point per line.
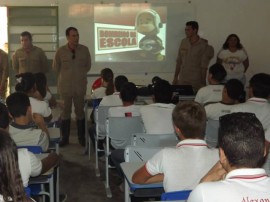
211	132
101	114
140	153
36	184
175	195
154	140
119	131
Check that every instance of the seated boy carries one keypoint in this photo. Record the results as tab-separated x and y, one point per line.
212	92
21	129
181	167
29	164
242	150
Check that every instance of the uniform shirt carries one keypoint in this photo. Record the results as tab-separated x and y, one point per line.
29	165
40	107
210	93
111	100
233	63
193	60
99	93
260	107
243	185
183	166
26	135
72	70
157	118
35	61
216	110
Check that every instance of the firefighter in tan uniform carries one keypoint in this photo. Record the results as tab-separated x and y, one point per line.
193	58
71	63
29	58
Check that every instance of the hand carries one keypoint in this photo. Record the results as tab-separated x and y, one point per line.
216	173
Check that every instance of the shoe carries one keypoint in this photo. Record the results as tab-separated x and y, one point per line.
62	197
122	187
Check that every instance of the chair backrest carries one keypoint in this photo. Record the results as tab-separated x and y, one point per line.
33	149
154	140
120	130
211	132
138	153
101	114
175	195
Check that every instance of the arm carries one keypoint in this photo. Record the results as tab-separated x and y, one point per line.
15	63
246	64
44	61
216	173
49	162
5	70
39	120
141	176
177	67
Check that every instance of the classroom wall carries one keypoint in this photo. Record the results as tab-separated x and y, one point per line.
217	19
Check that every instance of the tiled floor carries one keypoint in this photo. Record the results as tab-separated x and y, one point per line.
77	175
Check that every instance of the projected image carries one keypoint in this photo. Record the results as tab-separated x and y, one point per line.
130	33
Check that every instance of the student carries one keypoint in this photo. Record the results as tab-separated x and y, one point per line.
21	129
213	91
29	164
114	99
128	95
232	93
181	167
242	150
157	117
11	188
26	83
107	87
109	100
258	92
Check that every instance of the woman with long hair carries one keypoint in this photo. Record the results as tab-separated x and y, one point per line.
11	186
234	58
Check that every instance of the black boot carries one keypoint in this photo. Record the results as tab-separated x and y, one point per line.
81	131
65	131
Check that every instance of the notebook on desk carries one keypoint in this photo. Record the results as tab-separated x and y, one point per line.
182	89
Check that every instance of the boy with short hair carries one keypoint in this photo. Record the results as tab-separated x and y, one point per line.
242	151
175	166
21	130
213	91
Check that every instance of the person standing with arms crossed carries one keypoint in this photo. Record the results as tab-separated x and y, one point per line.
29	58
71	63
193	58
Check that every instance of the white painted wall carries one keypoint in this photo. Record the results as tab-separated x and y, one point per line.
249	19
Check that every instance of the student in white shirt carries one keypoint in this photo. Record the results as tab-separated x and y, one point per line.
29	164
258	92
213	91
26	83
181	167
237	176
232	93
108	100
157	117
21	128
